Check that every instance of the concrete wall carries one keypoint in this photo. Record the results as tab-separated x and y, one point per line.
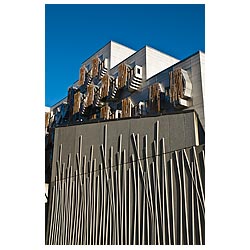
153	198
179	131
118	53
157	61
138	58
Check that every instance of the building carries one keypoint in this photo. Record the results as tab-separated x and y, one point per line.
125	151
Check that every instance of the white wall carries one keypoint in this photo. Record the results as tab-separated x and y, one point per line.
157	61
139	58
119	53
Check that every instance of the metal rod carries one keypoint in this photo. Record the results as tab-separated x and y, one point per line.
135	200
199	175
173	206
192	177
180	187
198	209
97	210
185	198
192	200
125	196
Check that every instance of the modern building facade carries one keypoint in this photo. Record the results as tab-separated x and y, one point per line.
125	151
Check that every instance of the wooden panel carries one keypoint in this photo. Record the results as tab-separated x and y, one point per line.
154	98
95	67
126	107
77	101
105	86
105	112
122	75
176	85
47	116
171	85
81	76
90	95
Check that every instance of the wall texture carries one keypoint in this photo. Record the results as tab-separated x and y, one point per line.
134	181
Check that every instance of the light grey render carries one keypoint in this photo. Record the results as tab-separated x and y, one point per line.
156	61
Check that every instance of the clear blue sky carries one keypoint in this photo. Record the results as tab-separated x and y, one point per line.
75	32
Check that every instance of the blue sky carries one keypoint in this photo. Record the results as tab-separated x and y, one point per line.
75	32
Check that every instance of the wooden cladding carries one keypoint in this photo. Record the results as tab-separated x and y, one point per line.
95	67
77	102
105	112
122	75
90	95
126	107
81	76
154	98
176	85
47	117
105	86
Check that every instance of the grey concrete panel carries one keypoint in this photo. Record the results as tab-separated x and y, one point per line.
177	129
178	133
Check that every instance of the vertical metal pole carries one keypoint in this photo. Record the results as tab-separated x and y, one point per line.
97	210
107	222
117	210
198	210
193	223
129	205
158	205
104	206
125	195
143	213
87	210
113	199
69	205
150	200
135	199
163	192
199	175
138	190
66	205
185	198
94	204
72	212
173	206
63	205
101	219
51	216
180	186
91	193
166	189
75	209
57	212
